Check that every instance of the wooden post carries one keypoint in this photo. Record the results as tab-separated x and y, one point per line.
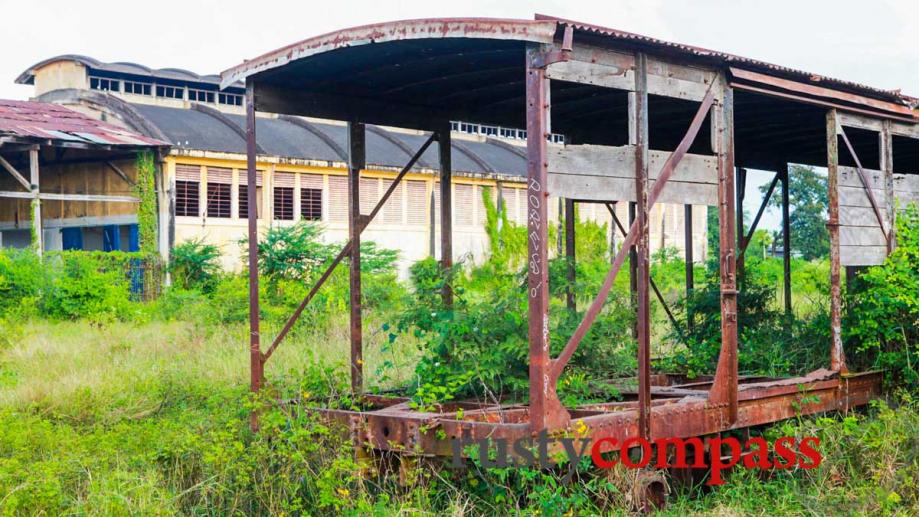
38	238
432	233
356	162
887	170
837	357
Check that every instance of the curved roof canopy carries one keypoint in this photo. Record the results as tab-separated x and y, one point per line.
420	73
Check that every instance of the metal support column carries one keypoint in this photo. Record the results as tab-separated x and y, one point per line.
837	358
545	409
446	207
633	271
740	186
571	271
786	242
724	387
687	254
357	160
643	335
432	233
256	364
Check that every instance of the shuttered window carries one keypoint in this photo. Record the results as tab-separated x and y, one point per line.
311	197
462	205
284	203
392	210
219	192
417	202
338	198
244	194
187	193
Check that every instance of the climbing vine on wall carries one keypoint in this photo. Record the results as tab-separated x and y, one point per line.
36	243
145	190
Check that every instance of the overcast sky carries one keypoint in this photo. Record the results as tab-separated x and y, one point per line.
871	42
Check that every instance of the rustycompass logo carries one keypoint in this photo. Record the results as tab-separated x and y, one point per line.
716	454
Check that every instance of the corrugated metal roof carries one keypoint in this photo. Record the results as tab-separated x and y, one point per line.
29	120
894	95
124	67
190	129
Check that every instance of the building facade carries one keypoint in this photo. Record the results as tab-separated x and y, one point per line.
302	165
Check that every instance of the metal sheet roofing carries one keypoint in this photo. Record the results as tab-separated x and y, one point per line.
288	138
40	121
123	67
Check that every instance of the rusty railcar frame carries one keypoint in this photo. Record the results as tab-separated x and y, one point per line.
662	407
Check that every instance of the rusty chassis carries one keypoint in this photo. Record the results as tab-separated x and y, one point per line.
661	406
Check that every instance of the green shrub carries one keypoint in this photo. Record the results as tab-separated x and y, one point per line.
89	285
883	316
195	265
22	280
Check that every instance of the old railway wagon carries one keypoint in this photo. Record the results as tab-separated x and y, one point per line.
644	121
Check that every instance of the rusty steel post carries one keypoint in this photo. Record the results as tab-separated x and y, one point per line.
256	364
357	160
633	272
545	409
687	254
640	98
786	242
740	186
837	357
446	207
570	254
432	243
724	387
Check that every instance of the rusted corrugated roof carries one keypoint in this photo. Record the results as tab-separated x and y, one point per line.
892	95
30	121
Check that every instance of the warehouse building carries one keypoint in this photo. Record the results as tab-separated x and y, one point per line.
302	164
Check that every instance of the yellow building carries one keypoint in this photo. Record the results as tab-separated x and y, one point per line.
302	165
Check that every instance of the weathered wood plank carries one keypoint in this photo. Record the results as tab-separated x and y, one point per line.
861	236
605	188
906	182
861	216
619	162
857	196
860	121
862	255
848	176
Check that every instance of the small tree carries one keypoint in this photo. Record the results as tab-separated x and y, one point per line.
195	265
807	199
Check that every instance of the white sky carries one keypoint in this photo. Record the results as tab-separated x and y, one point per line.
871	42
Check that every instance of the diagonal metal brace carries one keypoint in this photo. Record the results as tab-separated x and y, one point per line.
868	190
365	221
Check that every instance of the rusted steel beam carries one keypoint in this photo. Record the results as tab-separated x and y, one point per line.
256	364
633	271
357	160
786	241
631	238
545	409
657	292
444	148
868	190
690	272
643	337
759	214
740	193
571	270
724	389
396	427
346	250
837	357
819	91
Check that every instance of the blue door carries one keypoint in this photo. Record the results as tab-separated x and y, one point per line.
111	238
72	238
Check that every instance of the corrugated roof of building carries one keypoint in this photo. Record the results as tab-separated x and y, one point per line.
32	121
191	129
